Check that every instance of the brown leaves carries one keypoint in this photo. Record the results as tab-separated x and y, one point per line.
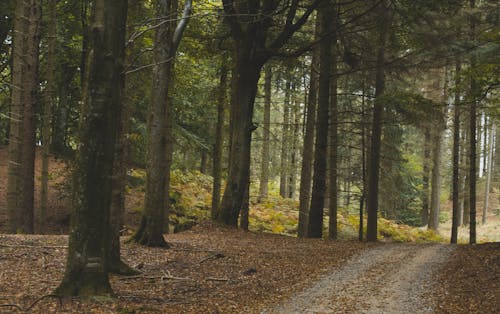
240	272
470	281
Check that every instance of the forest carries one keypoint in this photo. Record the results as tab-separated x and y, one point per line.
260	156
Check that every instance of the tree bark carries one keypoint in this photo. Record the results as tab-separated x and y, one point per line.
245	85
489	166
378	108
292	187
308	146
426	176
160	145
285	142
47	115
456	158
264	167
24	100
219	140
315	223
332	161
437	140
473	139
89	243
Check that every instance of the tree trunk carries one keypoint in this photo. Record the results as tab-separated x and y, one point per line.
203	161
332	161
308	146
24	100
437	140
245	209
473	139
219	140
378	109
89	243
426	176
466	197
245	81
47	115
292	187
160	144
456	158
285	142
363	164
489	166
315	224
264	168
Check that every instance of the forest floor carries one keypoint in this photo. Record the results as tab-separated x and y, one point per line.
211	269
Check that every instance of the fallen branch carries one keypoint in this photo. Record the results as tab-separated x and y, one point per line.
216	279
166	276
212	256
16	306
32	246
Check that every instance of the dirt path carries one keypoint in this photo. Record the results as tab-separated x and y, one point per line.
390	278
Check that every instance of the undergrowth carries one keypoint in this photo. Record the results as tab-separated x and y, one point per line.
191	197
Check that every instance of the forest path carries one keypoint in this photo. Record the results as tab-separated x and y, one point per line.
390	278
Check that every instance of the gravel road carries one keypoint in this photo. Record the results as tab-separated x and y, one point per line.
389	278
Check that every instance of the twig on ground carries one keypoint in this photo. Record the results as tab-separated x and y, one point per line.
216	279
212	256
34	303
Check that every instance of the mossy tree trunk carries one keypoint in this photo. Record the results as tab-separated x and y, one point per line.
89	242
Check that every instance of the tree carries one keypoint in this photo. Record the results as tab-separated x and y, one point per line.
308	145
47	114
376	132
456	156
315	223
89	243
333	151
254	45
24	101
285	139
150	231
489	165
219	140
264	172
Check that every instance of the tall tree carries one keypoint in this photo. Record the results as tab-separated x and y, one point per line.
376	132
219	140
285	140
489	165
254	45
315	223
456	156
47	113
437	144
166	41
265	156
473	140
24	101
426	175
89	242
333	151
308	145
